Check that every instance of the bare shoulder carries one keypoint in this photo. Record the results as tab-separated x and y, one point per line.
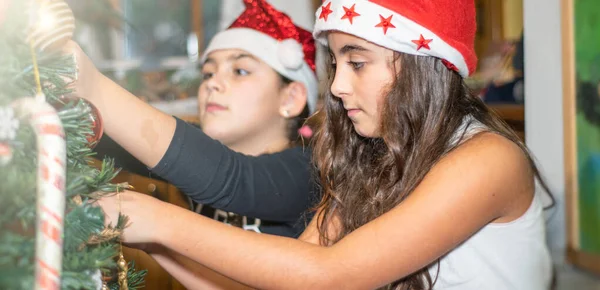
489	170
494	152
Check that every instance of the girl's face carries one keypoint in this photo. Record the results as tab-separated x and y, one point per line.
363	74
239	98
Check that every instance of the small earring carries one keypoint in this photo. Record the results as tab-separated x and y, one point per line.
286	113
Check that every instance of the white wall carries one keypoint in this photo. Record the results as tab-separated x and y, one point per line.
543	106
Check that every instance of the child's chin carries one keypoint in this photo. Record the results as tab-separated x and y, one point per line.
365	132
214	131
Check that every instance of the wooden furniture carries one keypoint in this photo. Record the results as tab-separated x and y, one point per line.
513	115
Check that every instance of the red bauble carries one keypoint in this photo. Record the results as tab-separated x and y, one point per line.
97	125
93	115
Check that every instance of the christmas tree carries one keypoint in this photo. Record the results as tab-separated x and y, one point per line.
33	77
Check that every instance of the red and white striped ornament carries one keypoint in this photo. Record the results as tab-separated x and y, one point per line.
51	24
51	190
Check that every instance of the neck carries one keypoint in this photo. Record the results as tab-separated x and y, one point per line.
258	146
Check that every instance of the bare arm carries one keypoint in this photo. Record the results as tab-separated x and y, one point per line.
191	274
485	180
139	128
196	276
311	233
275	187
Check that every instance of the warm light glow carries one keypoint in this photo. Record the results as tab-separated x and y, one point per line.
46	20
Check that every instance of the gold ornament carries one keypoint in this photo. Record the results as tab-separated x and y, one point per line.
122	272
104	286
52	24
122	264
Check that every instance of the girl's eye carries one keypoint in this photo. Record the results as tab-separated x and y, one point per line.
356	65
333	61
242	72
207	75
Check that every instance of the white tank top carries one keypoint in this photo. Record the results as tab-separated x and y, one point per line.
502	256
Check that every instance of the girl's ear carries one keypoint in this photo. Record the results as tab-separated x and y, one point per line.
293	100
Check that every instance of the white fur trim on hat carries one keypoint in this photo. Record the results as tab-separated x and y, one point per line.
281	56
398	36
290	54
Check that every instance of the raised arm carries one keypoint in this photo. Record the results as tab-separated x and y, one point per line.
139	128
487	179
274	187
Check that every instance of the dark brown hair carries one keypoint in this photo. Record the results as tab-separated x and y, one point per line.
362	178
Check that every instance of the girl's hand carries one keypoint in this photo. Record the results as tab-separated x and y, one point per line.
142	211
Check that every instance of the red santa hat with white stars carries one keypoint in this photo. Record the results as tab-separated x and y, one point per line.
272	37
442	28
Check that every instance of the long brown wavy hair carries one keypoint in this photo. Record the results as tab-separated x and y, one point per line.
362	178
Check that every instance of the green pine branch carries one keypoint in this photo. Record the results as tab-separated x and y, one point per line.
83	255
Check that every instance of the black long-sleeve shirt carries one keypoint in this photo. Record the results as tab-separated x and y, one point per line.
273	191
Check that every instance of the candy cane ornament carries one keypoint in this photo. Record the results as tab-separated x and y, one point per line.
51	192
51	25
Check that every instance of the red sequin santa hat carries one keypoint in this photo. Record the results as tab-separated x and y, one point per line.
442	28
272	36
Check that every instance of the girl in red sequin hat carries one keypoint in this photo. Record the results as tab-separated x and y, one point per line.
266	37
424	188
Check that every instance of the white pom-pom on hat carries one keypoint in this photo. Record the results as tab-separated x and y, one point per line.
290	54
